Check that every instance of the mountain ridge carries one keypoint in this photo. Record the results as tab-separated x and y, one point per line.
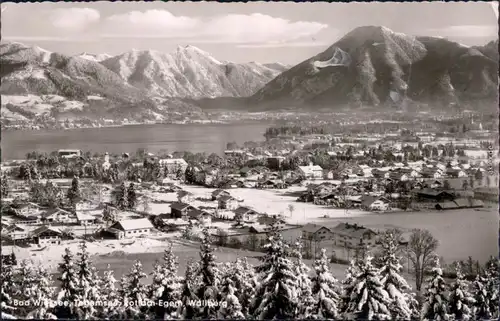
371	65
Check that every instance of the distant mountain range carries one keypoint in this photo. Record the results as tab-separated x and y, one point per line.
140	85
374	65
369	66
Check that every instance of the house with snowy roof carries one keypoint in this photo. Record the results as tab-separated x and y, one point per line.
311	171
131	228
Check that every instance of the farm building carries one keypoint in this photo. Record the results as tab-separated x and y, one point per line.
131	228
45	235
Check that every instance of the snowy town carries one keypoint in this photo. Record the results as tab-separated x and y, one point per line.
307	195
177	160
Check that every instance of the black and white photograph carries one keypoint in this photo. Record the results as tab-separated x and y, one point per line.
249	160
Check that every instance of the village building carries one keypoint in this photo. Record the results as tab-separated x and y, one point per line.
28	210
84	219
311	171
185	196
316	232
353	236
69	153
245	214
131	228
218	193
375	203
173	165
58	216
432	195
201	216
46	235
227	202
179	209
16	233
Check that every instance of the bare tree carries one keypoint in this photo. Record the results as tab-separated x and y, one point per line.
291	208
421	252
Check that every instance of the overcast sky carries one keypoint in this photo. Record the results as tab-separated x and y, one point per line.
239	32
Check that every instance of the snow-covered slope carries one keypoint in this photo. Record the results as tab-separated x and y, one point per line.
94	57
189	72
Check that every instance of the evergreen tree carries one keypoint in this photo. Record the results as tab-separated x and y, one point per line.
435	306
7	290
492	286
461	300
208	289
347	285
482	305
25	280
325	288
89	285
367	298
276	292
120	194
41	295
395	285
4	186
135	291
231	308
131	196
109	295
69	291
306	302
187	311
74	193
167	285
245	282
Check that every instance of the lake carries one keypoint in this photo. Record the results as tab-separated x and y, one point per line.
209	138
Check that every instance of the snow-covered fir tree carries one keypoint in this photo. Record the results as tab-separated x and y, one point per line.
306	303
368	300
131	196
135	291
120	194
208	289
109	294
69	291
493	285
325	288
7	290
89	287
42	295
435	306
74	194
347	285
187	311
231	308
25	280
276	292
167	286
461	300
392	281
482	305
245	281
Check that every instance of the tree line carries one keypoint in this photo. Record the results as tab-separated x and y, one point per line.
282	286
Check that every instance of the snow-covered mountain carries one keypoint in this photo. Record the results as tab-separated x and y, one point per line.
375	65
189	72
94	57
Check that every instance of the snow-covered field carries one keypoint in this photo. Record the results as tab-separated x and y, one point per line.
277	202
51	256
